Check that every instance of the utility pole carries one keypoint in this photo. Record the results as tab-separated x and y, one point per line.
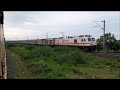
62	34
103	33
27	37
47	35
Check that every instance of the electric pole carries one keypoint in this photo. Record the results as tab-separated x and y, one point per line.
103	35
62	34
47	35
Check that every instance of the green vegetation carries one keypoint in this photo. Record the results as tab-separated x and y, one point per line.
111	44
39	62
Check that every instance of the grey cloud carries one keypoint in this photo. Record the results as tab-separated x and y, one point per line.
73	25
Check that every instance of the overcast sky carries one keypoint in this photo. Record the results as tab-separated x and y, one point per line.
35	24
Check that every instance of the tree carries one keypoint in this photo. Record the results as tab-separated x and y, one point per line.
110	42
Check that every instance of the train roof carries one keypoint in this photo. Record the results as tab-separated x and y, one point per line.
84	36
80	36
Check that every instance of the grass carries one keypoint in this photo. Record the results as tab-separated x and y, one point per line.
61	63
20	70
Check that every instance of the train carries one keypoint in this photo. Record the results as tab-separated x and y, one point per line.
3	66
84	42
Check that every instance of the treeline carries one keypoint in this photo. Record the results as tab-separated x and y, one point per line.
111	43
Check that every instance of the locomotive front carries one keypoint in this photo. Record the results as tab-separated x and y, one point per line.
92	44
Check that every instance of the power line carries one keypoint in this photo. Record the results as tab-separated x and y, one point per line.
97	24
62	34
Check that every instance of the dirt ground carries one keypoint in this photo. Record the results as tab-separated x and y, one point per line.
107	55
10	66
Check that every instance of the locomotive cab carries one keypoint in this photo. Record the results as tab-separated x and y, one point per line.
92	41
92	44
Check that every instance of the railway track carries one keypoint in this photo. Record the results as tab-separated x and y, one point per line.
107	55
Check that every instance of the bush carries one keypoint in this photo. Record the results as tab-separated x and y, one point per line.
56	63
29	47
78	57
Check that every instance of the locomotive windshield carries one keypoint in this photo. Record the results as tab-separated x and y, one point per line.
89	39
93	39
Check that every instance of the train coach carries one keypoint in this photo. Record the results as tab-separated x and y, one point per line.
84	42
45	42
